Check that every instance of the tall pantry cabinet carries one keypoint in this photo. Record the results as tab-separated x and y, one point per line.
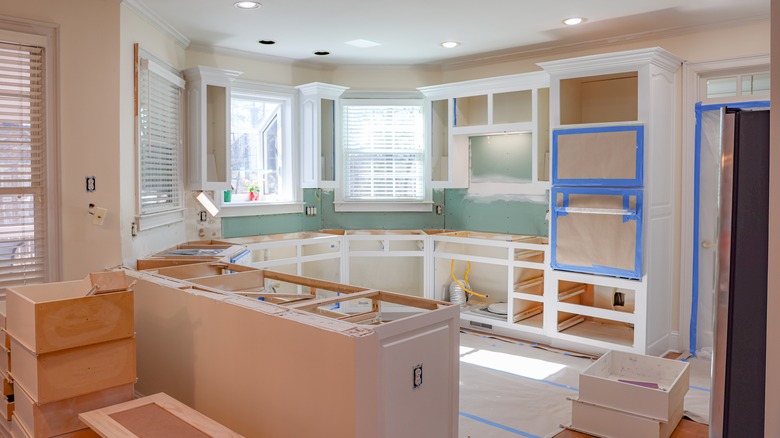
613	121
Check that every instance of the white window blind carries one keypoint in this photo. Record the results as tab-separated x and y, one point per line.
23	236
384	152
159	138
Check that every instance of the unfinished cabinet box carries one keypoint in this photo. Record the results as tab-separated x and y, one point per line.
603	156
614	423
649	386
7	406
62	374
597	231
61	417
18	430
49	317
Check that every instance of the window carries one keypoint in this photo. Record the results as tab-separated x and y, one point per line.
383	155
261	146
25	256
160	146
737	85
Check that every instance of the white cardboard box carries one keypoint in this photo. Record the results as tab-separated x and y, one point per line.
600	385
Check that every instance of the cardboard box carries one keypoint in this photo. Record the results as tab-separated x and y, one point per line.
77	371
613	423
58	418
56	316
600	385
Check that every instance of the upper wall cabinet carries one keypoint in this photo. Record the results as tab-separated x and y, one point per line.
208	99
514	104
319	105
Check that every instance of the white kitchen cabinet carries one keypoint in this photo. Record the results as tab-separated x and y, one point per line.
601	95
514	104
319	116
208	103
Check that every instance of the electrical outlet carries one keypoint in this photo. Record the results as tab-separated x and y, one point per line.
417	376
439	209
202	216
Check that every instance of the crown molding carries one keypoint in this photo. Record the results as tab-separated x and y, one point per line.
147	14
541	50
279	60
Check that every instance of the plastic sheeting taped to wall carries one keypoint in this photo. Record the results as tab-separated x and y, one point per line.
597	231
605	156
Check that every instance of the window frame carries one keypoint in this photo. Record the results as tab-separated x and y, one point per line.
148	220
341	202
45	35
287	97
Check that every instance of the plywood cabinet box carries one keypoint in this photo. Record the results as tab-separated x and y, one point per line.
50	317
269	370
58	418
18	431
76	371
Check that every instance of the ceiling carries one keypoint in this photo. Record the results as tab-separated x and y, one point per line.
409	32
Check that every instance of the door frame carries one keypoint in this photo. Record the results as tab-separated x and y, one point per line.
692	74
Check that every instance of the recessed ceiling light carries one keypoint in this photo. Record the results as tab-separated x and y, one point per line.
450	44
321	53
267	42
247	5
573	21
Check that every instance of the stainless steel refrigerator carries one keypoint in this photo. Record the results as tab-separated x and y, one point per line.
739	361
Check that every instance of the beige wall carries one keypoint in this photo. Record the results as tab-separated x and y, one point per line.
89	124
772	420
135	29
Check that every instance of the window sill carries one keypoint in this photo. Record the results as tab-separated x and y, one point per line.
149	221
424	206
236	209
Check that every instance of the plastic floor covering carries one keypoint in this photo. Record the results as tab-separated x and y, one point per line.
510	388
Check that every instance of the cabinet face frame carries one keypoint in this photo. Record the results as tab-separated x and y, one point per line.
208	118
314	126
527	87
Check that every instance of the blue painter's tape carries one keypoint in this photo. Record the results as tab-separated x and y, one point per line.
238	257
497	425
634	214
698	388
699	110
637	181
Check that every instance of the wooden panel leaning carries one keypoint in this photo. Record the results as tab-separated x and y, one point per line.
158	415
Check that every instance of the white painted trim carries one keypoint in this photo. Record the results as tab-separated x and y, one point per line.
149	221
692	74
235	209
147	14
630	60
496	84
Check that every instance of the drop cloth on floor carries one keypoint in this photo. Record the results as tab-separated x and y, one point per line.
510	388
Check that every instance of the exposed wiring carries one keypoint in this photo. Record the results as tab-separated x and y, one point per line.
465	279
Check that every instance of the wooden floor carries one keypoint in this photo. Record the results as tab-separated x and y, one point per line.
686	429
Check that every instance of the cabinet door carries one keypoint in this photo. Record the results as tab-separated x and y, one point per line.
604	156
597	231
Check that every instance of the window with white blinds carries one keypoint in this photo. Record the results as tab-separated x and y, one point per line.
160	133
383	151
23	236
